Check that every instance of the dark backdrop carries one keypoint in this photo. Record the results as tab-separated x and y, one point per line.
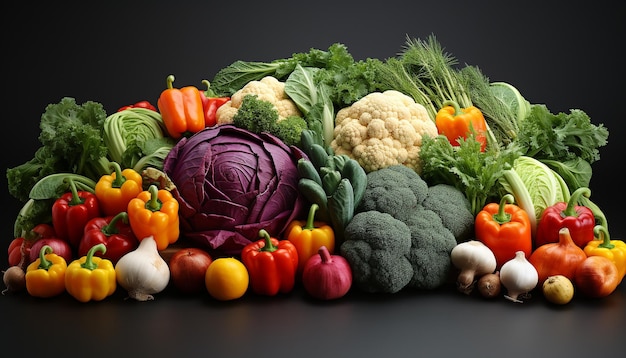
563	55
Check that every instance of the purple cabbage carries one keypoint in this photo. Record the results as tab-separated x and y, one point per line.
231	183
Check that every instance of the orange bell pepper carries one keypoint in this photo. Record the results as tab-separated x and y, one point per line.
116	190
455	123
154	212
309	236
181	109
614	250
45	277
505	229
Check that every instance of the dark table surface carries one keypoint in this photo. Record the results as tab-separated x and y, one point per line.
564	57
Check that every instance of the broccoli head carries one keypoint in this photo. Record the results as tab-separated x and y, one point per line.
436	217
431	245
454	209
396	190
377	245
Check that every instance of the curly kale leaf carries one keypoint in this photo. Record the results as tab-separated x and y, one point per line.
72	141
562	136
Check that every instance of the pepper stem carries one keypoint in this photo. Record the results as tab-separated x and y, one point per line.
269	246
208	92
310	221
76	199
119	178
570	210
601	232
502	216
89	264
453	104
154	204
44	263
111	227
170	81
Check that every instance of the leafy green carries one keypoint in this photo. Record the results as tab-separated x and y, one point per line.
350	81
562	136
72	142
55	185
345	79
465	167
567	142
312	100
575	172
233	77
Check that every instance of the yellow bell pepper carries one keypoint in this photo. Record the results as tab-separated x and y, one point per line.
308	236
114	191
91	278
45	277
154	212
614	250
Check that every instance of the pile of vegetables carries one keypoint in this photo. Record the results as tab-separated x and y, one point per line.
319	171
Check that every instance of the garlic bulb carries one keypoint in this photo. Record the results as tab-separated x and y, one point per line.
143	272
518	276
473	259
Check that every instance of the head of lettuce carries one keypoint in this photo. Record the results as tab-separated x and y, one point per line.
231	183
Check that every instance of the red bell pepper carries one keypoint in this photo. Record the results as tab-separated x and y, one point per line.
580	221
71	212
112	231
210	104
140	104
271	264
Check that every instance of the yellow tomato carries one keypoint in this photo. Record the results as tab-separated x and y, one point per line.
226	279
558	289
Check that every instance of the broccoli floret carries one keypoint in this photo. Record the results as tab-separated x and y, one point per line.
437	218
396	190
431	245
453	208
257	115
290	130
377	245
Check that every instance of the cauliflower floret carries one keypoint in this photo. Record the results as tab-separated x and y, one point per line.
268	89
383	129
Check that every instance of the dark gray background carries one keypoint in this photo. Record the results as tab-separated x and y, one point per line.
565	56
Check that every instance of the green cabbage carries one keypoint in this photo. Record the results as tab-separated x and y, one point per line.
535	187
137	138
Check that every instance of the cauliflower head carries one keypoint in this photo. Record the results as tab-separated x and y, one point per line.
383	129
267	89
